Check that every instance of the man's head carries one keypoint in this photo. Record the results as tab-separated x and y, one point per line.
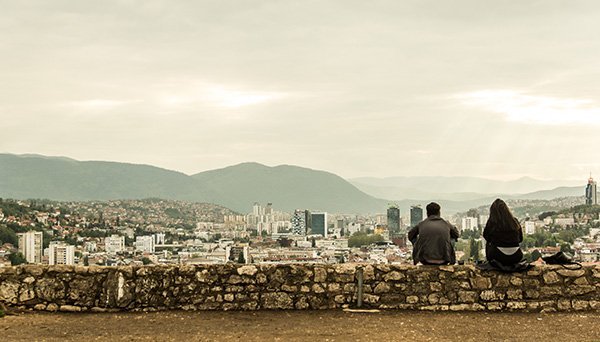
433	209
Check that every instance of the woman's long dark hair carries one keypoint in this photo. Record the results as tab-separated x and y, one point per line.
501	217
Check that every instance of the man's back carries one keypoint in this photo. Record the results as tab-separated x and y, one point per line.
432	241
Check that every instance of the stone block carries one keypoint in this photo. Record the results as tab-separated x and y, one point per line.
248	270
394	276
382	287
571	273
551	278
481	283
412	299
579	305
70	308
276	300
516	305
563	304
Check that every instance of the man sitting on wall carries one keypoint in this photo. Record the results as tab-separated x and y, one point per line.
432	239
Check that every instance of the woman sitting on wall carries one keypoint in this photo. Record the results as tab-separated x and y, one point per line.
502	234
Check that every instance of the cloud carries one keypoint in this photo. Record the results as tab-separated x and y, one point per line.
99	104
214	95
524	108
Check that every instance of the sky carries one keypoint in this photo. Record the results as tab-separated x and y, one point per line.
495	89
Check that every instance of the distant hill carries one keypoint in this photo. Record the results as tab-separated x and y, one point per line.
289	188
32	176
455	188
554	193
236	187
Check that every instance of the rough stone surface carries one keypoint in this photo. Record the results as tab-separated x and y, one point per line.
299	287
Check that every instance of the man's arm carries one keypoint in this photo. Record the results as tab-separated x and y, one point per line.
453	232
413	233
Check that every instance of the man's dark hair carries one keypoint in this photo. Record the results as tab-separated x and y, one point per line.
433	209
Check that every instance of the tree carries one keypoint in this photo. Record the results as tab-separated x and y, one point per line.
241	259
7	235
16	259
535	255
474	249
359	239
566	248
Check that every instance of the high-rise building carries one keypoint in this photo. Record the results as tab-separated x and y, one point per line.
61	254
30	245
257	210
269	209
300	221
114	244
319	223
144	243
340	225
393	220
416	215
591	195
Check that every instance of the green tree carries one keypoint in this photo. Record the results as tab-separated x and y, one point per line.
359	239
566	248
7	235
535	255
16	259
241	259
474	249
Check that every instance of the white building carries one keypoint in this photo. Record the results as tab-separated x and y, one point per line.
469	223
159	238
529	227
61	254
114	244
30	245
566	221
144	243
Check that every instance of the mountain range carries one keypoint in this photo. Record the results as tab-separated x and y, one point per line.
239	186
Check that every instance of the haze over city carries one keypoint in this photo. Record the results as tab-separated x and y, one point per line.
413	88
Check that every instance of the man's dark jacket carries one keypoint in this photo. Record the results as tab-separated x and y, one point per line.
432	240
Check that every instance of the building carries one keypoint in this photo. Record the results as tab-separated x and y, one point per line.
159	238
591	195
61	254
300	222
393	220
319	223
30	245
469	223
144	243
114	244
416	215
529	227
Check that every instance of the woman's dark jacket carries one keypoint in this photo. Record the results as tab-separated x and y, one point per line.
501	236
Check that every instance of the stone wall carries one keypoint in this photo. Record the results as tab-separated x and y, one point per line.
254	287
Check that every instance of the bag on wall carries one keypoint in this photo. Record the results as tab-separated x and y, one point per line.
561	258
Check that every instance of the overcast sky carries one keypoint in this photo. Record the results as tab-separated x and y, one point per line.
497	89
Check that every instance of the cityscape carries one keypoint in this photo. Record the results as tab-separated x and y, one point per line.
155	231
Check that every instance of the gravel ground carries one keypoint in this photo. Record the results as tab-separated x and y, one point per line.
301	326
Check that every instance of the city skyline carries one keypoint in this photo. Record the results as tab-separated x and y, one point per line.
494	90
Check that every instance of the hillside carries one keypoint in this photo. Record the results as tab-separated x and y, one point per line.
236	187
32	176
457	188
288	188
